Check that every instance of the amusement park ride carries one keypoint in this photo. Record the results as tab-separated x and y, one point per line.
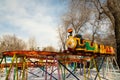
78	61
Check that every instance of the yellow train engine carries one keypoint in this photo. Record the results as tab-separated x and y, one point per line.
77	43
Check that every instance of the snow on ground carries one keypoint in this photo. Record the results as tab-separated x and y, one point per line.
38	74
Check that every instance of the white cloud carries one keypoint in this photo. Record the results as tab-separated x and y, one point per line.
33	18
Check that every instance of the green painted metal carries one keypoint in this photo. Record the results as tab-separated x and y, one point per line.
14	76
8	72
88	46
1	60
62	72
5	64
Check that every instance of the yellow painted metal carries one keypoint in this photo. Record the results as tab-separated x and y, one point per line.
26	70
85	78
96	68
71	42
80	49
90	66
13	58
23	72
102	49
80	44
96	48
16	68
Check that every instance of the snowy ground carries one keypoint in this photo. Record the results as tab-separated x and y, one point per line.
37	74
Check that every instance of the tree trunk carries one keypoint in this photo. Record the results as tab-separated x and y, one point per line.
117	35
114	7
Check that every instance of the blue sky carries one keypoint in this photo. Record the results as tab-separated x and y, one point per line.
26	18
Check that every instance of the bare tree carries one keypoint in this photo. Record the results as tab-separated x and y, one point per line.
62	35
32	43
10	43
95	29
77	15
111	8
49	48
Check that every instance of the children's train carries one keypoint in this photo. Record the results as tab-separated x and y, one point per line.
77	43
